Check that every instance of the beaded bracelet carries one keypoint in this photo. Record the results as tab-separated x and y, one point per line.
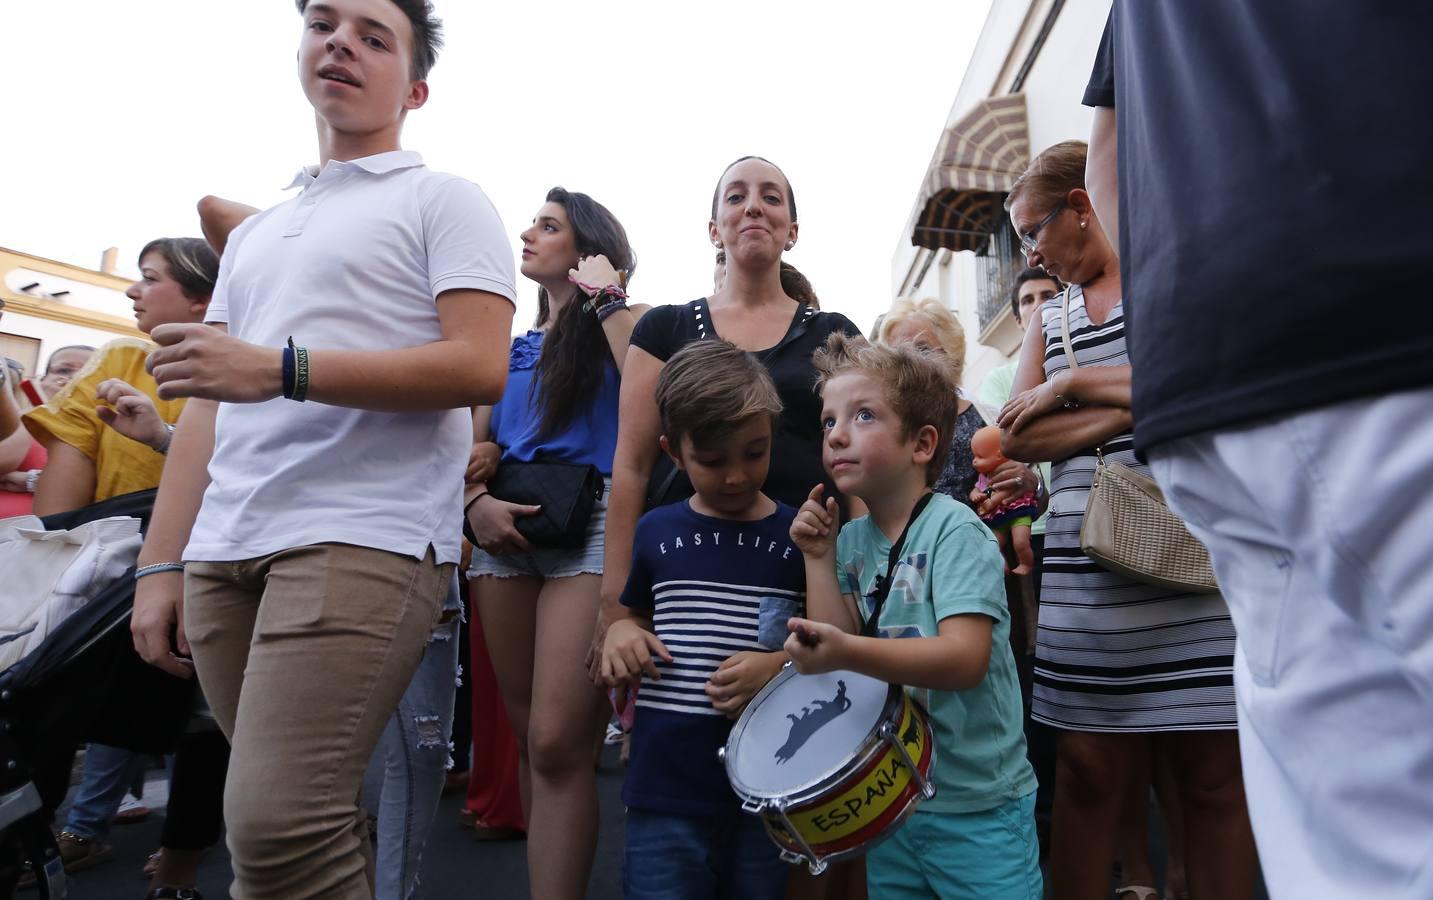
606	310
155	569
605	296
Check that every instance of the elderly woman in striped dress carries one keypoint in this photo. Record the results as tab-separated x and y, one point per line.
1122	668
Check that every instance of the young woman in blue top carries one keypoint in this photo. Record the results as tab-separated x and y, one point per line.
537	604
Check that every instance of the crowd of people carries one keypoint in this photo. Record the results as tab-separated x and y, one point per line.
649	512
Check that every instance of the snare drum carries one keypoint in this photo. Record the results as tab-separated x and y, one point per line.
832	763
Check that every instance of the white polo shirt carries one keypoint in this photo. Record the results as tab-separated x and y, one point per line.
354	262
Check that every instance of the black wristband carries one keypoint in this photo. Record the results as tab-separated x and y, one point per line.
298	390
289	369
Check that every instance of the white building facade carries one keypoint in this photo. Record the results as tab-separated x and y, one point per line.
51	304
1020	93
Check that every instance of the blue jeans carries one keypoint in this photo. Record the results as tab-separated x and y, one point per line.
109	773
410	760
672	857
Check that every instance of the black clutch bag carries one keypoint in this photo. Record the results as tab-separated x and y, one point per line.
566	492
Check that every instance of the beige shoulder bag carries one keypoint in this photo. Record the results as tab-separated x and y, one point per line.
1128	528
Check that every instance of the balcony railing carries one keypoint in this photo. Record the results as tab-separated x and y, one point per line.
995	271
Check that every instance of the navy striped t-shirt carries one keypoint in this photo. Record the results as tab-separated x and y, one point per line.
702	580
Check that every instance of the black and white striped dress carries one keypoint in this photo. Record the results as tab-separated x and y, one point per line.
1115	654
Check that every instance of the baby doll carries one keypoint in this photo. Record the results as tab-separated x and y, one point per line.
1011	519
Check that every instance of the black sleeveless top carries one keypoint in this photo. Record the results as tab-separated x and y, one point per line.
796	451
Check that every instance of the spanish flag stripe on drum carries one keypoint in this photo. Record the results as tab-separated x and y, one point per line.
867	801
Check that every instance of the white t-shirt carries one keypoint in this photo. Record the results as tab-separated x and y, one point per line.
354	262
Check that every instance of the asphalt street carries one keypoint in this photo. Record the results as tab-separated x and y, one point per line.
455	866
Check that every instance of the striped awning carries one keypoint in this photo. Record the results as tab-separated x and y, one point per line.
980	157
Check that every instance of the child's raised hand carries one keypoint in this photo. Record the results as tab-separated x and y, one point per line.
816	525
739	677
816	647
627	653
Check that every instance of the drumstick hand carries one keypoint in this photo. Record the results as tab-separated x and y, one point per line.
806	636
815	647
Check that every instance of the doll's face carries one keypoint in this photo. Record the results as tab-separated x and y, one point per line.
985	450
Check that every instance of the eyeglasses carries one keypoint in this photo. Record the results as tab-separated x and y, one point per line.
1028	239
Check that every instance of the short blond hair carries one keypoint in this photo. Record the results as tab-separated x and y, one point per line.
918	387
938	318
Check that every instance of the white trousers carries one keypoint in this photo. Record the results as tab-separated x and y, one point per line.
1321	529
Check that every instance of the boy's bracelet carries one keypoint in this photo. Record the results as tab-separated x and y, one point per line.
156	568
295	372
288	388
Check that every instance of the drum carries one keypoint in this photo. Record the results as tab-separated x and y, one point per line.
832	763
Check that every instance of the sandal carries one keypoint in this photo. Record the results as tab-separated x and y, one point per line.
173	893
1139	892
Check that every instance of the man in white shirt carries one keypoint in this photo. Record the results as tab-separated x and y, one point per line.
319	538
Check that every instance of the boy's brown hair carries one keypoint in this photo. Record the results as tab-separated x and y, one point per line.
708	389
427	33
916	385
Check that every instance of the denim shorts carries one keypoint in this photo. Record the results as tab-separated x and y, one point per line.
988	855
550	562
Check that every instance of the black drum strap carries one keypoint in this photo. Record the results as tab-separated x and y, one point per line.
882	586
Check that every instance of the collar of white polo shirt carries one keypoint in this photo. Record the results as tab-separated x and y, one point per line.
377	164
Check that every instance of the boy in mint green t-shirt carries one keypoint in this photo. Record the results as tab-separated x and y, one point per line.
888	415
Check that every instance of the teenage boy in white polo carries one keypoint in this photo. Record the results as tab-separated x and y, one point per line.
354	325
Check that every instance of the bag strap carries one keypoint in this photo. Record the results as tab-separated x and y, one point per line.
1065	328
1075	364
883	581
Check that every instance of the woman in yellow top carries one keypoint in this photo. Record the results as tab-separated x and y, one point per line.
90	461
84	428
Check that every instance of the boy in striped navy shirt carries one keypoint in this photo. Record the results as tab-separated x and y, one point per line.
701	572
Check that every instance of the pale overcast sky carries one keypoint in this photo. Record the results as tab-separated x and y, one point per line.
121	115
